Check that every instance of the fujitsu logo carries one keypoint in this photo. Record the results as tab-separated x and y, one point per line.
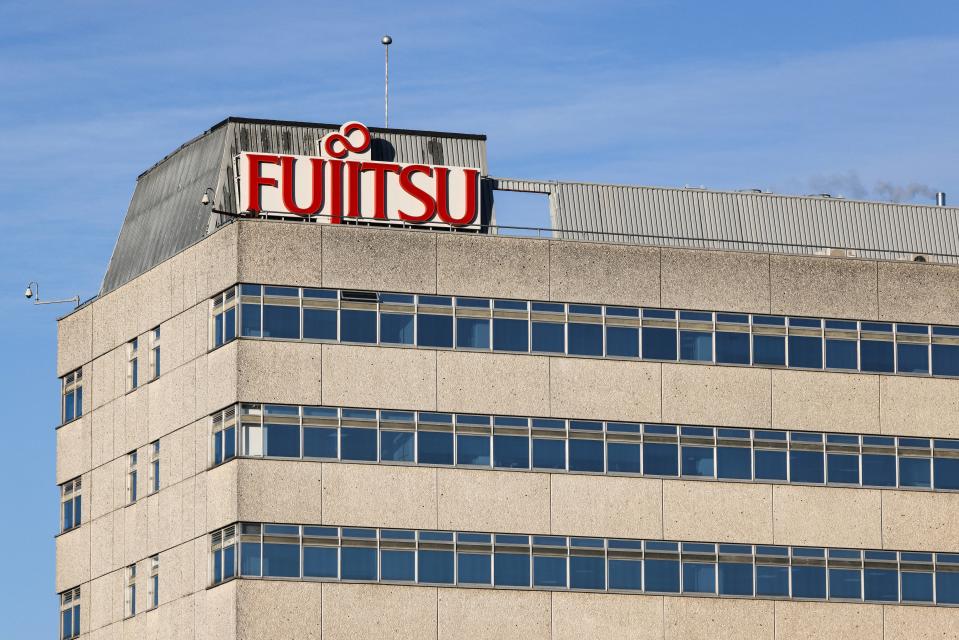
345	182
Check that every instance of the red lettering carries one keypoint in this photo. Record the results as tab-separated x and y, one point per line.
336	191
406	183
288	163
256	179
471	176
380	169
353	169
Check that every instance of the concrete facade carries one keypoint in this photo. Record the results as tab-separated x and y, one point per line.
197	498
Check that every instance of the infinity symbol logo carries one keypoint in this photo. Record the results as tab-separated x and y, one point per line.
343	138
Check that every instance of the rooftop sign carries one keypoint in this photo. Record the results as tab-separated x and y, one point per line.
344	182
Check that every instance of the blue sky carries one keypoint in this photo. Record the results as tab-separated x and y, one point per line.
854	98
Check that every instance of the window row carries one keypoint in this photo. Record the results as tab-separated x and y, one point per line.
589	446
594	564
443	322
135	373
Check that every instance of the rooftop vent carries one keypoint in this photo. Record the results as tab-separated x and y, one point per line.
940	198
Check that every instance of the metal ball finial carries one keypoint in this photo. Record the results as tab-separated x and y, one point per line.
387	40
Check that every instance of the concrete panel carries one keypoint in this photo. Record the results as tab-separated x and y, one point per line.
920	520
606	506
101	600
714	395
610	389
137	419
176	572
178	340
490	266
74	340
282	372
218	388
604	273
73	449
825	401
219	489
827	287
379	496
295	494
274	252
917	292
353	611
99	492
827	516
920	623
606	616
101	545
119	535
378	377
487	614
106	312
717	511
378	259
168	530
920	406
492	383
172	402
278	610
219	604
715	280
100	389
135	531
718	619
834	620
73	558
503	501
183	280
101	436
217	261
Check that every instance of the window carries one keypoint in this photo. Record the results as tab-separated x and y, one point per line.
154	582
131	477
474	558
586	446
548	327
397	318
224	316
659	334
769	340
735	570
732	338
224	554
510	326
154	466
72	396
585	330
876	352
434	322
224	435
155	353
130	592
281	313
660	450
319	314
473	323
805	343
434	438
699	568
70	505
842	345
70	614
398	556
133	368
696	336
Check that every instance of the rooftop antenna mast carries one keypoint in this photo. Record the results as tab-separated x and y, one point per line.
387	41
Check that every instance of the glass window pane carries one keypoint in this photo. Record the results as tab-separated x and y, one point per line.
769	350
806	466
914	472
435	447
623	457
809	582
511	452
622	342
881	585
281	321
845	584
878	470
699	578
319	562
805	352
659	343
250	322
474	568
319	442
511	569
549	337
587	572
549	571
585	455
734	463
947	587
913	358
358	563
916	586
319	324
358	326
843	468
585	339
876	356
946	472
549	453
397	446
695	346
472	333
434	331
662	576
660	459
397	565
67	623
697	461
436	566
841	354
510	335
772	581
945	360
396	328
732	348
625	574
250	559
358	444
770	465
473	450
283	440
229	562
281	560
735	579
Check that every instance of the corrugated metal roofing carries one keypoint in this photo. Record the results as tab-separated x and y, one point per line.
746	220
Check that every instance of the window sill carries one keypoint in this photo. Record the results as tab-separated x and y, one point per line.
63	424
66	531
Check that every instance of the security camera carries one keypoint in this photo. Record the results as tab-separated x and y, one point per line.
205	199
28	293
